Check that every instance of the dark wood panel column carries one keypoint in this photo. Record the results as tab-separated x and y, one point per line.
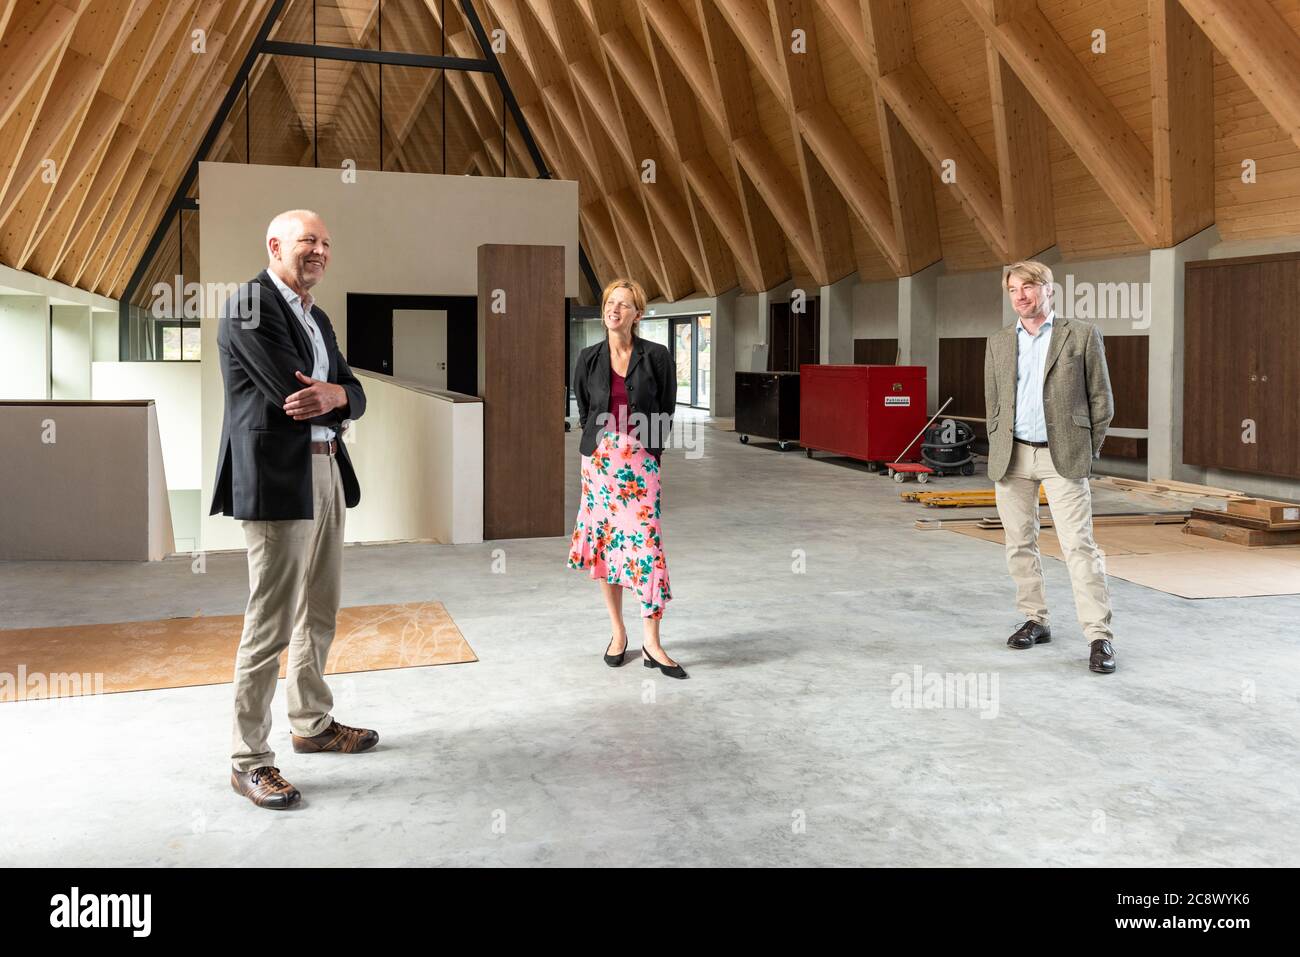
521	311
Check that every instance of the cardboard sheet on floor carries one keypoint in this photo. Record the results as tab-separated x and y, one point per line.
1162	557
186	652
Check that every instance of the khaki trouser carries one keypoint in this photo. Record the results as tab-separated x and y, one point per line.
294	573
1071	503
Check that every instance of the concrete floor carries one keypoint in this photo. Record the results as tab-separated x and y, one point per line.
788	745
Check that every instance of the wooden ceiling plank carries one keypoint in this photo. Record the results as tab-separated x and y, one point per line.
1182	123
1091	125
1024	163
803	88
553	143
931	123
94	42
208	80
176	106
722	243
228	43
729	87
162	66
714	206
552	84
104	115
886	37
1263	49
623	120
31	41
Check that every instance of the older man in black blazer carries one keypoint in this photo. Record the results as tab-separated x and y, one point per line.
283	471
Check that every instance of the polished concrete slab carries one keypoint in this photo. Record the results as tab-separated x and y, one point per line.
851	701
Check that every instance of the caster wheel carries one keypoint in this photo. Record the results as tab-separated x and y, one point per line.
899	477
567	427
922	477
744	440
968	468
783	445
873	466
809	451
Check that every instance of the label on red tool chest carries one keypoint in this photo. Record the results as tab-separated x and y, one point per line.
898	400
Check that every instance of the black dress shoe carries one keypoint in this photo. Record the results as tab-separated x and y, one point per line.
615	660
1029	634
1102	659
672	671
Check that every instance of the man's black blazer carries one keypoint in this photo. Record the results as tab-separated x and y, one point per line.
264	460
651	383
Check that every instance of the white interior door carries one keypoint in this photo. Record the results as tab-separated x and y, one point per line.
420	346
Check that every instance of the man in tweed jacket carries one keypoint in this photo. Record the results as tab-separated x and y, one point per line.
1048	403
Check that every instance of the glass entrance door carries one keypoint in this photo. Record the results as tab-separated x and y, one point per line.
689	338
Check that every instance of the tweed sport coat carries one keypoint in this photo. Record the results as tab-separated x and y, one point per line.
1077	401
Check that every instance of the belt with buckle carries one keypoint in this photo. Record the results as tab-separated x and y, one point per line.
1037	445
328	448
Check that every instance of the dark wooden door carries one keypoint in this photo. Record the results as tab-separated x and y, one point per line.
1277	389
793	338
1223	313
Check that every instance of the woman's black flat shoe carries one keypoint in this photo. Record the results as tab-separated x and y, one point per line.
672	671
615	660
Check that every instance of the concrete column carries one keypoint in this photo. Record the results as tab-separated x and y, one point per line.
24	347
1165	358
836	320
918	331
722	354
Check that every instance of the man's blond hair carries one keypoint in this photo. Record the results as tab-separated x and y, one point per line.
1029	270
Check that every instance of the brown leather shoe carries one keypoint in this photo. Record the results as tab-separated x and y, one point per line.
265	788
1029	634
337	737
1101	658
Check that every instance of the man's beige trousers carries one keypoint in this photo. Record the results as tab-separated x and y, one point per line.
1071	503
294	573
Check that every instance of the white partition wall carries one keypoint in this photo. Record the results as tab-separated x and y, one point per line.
84	481
25	358
174	388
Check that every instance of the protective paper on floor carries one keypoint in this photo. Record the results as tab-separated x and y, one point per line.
1164	558
186	652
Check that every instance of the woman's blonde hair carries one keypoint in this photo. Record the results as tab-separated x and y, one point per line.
638	297
1030	270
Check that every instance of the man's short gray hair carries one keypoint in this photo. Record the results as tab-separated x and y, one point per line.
280	225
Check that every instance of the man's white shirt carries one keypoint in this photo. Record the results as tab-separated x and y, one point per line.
321	370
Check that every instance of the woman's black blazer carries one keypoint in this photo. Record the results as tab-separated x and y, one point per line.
651	388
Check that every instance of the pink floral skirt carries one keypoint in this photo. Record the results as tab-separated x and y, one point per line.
617	533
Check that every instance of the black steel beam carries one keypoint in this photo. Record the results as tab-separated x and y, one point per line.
386	57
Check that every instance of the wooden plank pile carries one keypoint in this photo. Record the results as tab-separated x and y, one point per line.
1165	487
960	498
1117	518
1254	522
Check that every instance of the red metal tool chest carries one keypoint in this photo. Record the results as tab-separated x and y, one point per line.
863	412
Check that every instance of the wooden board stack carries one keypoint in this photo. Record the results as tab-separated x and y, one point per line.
1249	521
960	498
1118	518
1165	487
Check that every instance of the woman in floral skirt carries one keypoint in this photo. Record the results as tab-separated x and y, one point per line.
626	389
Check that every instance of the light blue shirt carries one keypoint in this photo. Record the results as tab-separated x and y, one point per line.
1031	361
321	370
